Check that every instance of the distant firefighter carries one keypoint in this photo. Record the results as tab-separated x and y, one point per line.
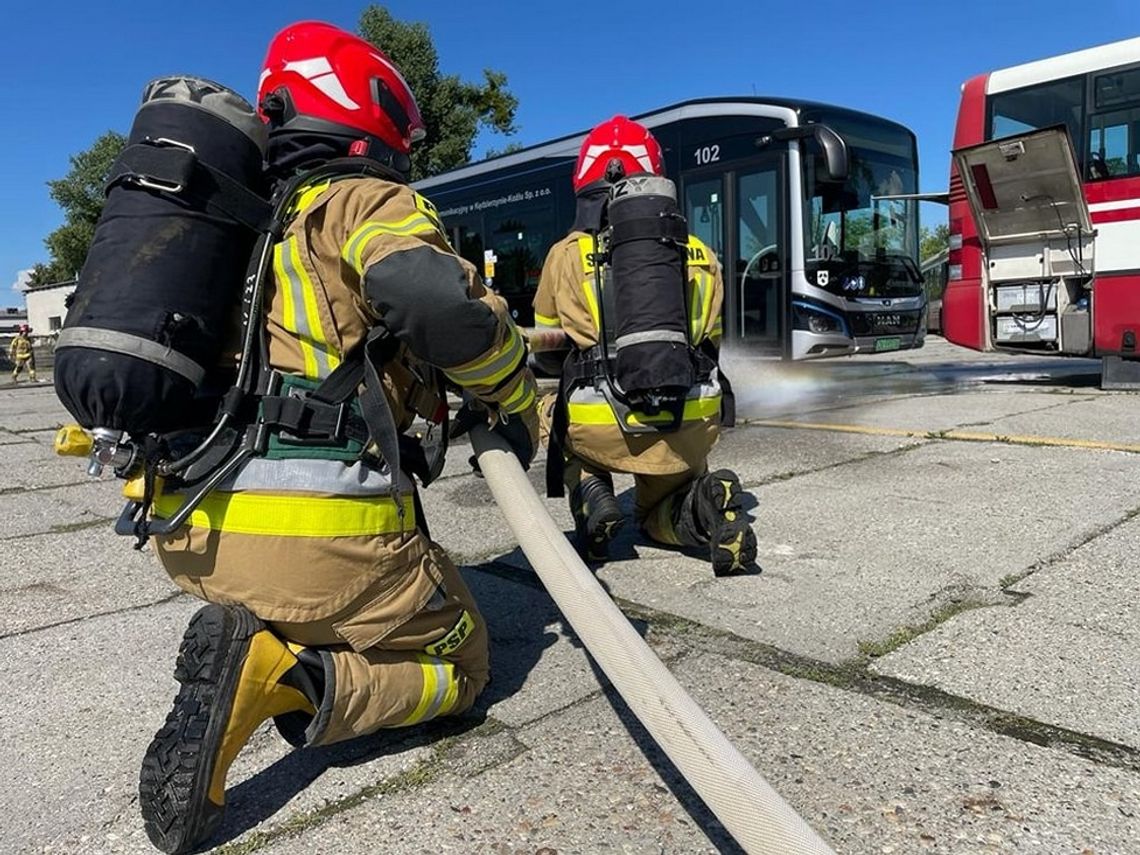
641	391
21	353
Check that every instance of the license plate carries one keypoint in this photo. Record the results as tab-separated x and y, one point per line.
884	344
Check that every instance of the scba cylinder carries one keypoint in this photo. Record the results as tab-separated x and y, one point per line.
158	295
647	249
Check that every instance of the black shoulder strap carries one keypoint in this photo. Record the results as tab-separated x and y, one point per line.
555	446
374	404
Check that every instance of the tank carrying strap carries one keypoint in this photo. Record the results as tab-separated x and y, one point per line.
171	167
665	228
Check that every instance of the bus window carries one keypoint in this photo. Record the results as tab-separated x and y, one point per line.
759	268
1057	103
520	240
468	242
704	206
1114	137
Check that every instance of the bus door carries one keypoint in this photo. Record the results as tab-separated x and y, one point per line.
758	267
706	211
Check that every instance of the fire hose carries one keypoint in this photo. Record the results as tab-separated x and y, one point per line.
752	812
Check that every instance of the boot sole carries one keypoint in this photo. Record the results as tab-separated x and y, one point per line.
176	769
733	544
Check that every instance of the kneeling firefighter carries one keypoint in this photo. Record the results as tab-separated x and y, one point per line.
641	390
331	610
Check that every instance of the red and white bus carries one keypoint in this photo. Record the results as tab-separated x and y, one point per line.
1048	273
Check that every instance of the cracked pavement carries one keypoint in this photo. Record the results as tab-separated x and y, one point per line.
940	653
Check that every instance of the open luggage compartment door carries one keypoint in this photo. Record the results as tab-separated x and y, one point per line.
1024	188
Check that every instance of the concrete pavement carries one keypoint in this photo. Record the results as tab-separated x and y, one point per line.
939	655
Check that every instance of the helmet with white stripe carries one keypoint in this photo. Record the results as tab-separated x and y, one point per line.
317	78
614	149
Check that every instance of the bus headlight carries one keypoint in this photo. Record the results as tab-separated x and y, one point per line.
816	320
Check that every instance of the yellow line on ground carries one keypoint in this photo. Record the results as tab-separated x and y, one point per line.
959	435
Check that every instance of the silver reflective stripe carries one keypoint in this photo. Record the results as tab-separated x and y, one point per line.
334	477
651	335
441	685
314	339
132	345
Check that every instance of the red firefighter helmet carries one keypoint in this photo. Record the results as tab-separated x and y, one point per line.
317	77
618	139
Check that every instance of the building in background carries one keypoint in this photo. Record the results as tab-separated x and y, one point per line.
11	319
47	307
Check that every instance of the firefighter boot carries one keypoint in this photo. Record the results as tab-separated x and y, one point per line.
235	674
597	517
712	513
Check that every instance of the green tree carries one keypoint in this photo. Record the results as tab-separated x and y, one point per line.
80	195
452	109
933	241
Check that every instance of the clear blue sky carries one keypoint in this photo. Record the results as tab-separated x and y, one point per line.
72	70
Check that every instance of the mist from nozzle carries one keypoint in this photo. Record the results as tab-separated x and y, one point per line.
765	388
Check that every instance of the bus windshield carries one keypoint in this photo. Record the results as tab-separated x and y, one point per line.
867	245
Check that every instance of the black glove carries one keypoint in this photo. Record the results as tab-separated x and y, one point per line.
513	430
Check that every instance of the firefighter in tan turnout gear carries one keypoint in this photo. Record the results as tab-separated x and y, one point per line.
21	353
665	336
331	610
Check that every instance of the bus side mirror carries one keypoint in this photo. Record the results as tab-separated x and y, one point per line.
832	145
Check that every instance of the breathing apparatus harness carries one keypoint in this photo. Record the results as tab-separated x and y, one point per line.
645	361
263	405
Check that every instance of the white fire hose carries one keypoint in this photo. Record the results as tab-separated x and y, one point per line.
754	813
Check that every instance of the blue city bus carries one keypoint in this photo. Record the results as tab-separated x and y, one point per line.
786	193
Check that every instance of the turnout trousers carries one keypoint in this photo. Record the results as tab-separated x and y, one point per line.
398	630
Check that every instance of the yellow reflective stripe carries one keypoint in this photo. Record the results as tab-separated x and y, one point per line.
299	309
696	302
322	354
544	321
427	692
521	399
308	195
701	303
698	253
431	212
586	249
353	249
295	516
592	302
491	369
451	695
602	414
439	693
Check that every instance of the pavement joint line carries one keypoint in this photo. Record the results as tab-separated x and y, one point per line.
907	633
1065	551
169	598
8	491
63	528
1029	412
860	458
954	434
854	676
